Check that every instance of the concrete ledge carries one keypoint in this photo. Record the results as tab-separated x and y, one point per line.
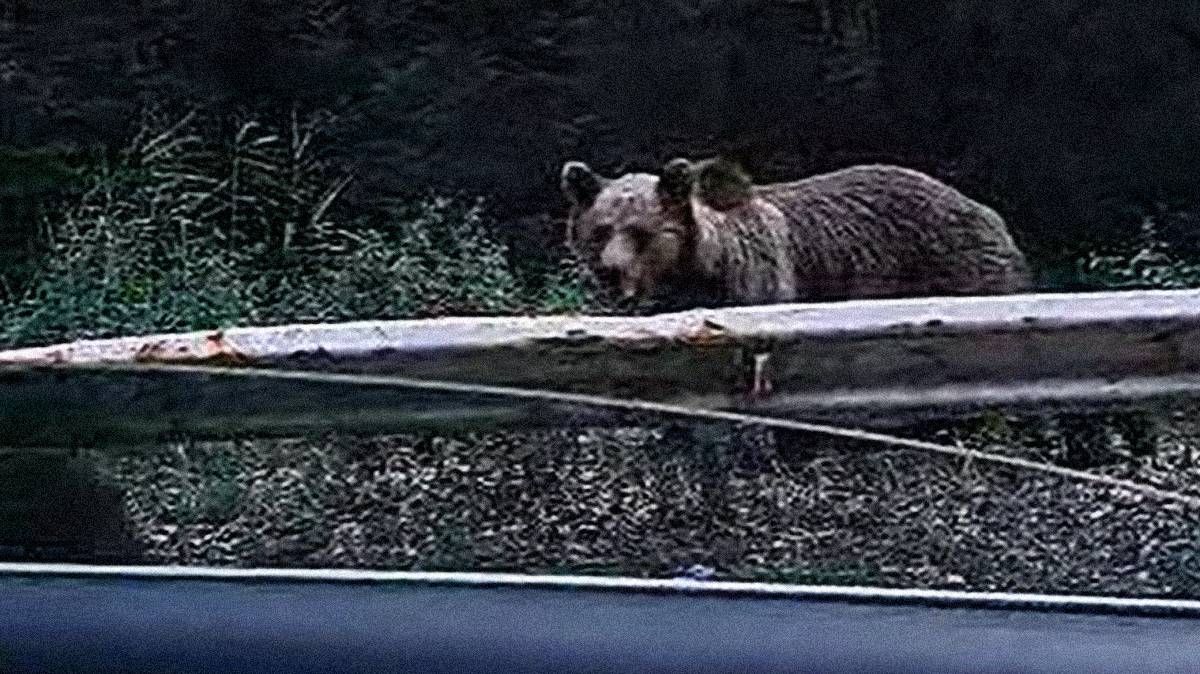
160	619
960	599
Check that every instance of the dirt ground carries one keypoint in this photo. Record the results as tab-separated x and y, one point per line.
642	501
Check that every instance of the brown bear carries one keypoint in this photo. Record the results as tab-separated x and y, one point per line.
703	229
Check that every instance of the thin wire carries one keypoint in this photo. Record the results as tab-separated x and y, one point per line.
591	400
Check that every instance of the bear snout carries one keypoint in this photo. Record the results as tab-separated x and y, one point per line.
617	255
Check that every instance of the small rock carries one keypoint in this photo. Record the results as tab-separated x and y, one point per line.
696	572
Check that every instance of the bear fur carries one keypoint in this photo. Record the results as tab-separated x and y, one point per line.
704	230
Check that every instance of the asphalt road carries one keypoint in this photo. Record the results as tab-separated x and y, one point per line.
110	625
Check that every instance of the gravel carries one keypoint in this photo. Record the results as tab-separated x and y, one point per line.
651	501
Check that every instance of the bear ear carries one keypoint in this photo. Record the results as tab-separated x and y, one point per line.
676	182
579	183
722	184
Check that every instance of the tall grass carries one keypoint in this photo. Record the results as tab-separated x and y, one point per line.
1148	262
205	223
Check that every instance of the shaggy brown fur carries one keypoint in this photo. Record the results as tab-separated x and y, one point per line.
865	231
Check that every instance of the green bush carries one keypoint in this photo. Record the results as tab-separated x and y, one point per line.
1149	263
200	224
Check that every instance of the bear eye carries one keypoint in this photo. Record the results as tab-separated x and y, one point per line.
602	232
640	237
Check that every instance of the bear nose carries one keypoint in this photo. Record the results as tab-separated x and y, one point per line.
608	276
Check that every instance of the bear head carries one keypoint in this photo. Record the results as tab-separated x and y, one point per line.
643	234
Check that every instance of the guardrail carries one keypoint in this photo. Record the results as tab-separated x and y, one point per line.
878	361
